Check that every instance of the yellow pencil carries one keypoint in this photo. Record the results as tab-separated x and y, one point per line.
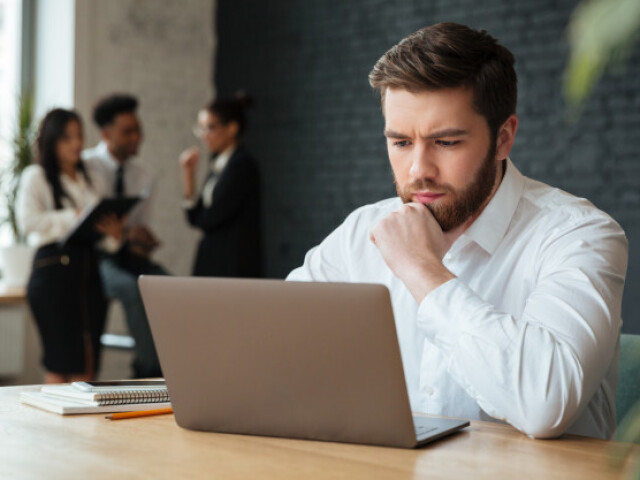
140	413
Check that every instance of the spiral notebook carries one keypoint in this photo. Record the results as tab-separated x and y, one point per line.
66	400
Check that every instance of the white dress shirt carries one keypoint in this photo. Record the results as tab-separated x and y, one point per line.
138	180
528	332
217	167
36	213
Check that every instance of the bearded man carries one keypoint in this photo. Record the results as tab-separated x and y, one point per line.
506	292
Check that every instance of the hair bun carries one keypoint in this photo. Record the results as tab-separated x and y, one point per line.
244	99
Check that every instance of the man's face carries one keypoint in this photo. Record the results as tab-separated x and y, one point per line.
123	136
441	153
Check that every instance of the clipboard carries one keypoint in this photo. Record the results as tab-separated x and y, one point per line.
84	231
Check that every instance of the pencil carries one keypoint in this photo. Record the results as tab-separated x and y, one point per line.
140	413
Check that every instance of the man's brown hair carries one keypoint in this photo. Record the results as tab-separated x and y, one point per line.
450	55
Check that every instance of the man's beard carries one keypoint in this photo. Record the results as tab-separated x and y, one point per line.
457	206
125	152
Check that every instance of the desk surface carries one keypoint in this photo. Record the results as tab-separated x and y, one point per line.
37	444
9	295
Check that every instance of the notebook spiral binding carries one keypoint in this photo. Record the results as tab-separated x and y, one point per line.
132	396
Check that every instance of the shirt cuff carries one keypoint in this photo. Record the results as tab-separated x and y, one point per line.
445	313
69	217
189	203
109	244
448	316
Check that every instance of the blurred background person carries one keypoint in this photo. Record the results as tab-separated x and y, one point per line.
114	161
227	210
64	290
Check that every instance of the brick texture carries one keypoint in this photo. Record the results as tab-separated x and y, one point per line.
317	129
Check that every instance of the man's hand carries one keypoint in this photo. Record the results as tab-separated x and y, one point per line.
111	226
413	244
141	240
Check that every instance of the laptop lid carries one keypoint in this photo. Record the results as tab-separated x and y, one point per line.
290	359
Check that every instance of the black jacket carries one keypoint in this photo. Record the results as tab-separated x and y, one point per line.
232	241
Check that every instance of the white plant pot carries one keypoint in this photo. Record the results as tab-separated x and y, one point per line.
15	262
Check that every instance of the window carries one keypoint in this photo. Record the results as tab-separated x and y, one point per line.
10	67
10	22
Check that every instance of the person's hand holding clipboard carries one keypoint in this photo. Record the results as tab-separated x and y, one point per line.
104	218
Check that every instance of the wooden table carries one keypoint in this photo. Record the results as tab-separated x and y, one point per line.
12	295
13	313
35	444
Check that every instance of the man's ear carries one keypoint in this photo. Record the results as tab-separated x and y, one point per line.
506	137
105	133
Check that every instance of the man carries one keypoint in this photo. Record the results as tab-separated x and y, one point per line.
506	292
113	162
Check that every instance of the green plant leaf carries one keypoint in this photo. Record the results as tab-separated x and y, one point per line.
601	33
21	143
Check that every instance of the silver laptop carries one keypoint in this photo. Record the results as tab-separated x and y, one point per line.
308	360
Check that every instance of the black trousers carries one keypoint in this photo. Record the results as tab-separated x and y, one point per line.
65	296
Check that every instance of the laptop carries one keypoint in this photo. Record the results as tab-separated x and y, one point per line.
307	360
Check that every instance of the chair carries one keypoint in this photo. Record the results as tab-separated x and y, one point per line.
629	379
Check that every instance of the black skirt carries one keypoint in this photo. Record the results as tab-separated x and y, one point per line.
66	299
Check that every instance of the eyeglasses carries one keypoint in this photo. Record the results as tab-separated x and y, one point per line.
200	131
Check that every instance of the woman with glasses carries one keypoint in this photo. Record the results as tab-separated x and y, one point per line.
227	209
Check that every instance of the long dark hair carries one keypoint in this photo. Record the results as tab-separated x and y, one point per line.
232	110
51	130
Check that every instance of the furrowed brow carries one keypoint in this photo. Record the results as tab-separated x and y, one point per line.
448	132
394	134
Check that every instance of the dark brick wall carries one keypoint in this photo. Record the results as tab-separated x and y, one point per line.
316	128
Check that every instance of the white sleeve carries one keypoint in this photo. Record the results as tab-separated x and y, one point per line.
109	244
538	372
327	262
189	203
34	207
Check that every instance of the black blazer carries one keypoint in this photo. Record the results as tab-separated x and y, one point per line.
232	241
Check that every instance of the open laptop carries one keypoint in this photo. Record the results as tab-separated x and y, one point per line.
308	360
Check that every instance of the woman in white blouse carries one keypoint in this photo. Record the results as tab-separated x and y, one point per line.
64	290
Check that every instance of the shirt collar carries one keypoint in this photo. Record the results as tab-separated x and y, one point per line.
105	154
222	159
491	226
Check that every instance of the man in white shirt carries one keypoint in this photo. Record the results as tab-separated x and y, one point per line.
506	292
114	162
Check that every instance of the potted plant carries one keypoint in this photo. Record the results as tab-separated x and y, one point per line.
16	259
